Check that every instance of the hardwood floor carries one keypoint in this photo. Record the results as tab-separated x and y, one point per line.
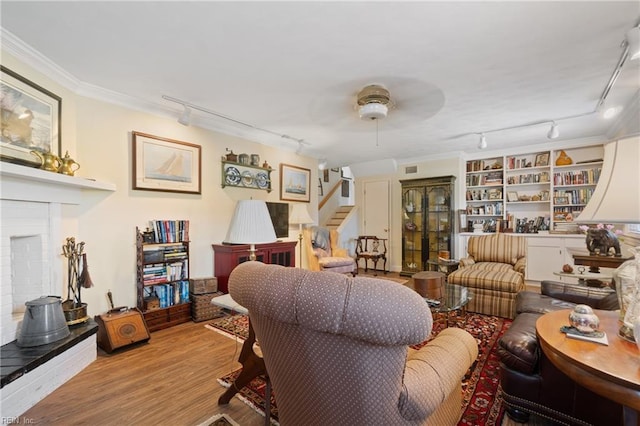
169	380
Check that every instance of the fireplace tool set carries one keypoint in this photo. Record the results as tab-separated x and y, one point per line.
75	311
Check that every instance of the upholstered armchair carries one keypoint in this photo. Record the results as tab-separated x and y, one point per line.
336	348
493	272
324	253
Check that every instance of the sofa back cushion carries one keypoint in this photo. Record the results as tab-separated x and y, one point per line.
497	248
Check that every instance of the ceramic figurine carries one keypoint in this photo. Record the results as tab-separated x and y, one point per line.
583	318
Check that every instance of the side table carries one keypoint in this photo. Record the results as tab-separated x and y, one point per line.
445	266
252	365
611	371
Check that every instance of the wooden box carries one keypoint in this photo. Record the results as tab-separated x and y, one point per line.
202	309
120	329
203	285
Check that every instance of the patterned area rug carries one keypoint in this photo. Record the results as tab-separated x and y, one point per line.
481	405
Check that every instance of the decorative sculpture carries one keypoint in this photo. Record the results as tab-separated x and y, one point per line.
601	241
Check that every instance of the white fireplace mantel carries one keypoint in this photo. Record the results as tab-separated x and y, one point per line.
29	184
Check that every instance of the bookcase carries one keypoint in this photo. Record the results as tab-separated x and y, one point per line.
529	192
162	276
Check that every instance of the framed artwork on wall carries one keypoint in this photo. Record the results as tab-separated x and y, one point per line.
294	183
30	120
161	164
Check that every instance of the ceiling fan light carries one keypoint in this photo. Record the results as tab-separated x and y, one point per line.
482	144
185	118
633	40
553	131
373	111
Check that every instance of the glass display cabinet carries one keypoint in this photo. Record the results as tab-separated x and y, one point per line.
428	222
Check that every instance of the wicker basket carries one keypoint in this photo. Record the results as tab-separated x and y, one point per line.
202	309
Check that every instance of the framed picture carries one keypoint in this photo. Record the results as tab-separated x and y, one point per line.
544	195
161	164
512	196
495	194
542	159
30	120
561	200
294	183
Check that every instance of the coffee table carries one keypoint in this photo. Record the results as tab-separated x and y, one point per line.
448	302
611	371
452	305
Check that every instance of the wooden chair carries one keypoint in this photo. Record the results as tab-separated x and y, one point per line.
371	248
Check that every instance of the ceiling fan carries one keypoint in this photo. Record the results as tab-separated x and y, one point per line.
412	101
374	102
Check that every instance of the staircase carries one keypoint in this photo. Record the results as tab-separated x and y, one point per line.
336	220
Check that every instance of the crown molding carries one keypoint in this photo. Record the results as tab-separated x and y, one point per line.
33	58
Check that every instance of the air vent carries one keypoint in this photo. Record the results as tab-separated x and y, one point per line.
410	169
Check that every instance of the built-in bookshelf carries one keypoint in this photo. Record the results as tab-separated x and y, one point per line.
162	253
530	192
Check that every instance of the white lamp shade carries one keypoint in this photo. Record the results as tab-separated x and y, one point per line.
251	224
300	215
616	199
633	39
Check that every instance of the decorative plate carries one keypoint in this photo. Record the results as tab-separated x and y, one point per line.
247	178
262	180
232	176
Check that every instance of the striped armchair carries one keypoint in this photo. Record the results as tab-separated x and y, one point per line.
493	272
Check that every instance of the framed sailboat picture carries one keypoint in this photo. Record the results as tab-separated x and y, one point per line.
161	164
294	183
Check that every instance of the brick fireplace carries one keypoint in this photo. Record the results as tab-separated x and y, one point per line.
31	208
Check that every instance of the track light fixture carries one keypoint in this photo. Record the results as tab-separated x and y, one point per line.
553	131
482	144
186	115
630	51
185	118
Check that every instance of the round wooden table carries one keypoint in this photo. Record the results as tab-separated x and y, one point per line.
429	284
611	371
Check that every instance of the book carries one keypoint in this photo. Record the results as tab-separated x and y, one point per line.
596	337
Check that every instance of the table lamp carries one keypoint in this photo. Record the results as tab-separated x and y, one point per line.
616	199
251	224
300	216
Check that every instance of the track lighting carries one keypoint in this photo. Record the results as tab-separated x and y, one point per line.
553	131
185	118
482	144
633	41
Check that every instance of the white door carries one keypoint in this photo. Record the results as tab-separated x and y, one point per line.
376	213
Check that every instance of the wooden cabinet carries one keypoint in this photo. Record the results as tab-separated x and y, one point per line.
162	282
227	256
428	221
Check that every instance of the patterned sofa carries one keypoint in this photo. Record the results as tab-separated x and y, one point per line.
493	272
337	348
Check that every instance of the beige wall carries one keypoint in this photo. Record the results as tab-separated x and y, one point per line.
98	136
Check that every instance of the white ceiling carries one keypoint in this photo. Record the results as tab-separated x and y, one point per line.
294	68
